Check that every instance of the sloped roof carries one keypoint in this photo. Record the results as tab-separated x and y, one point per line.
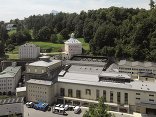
72	40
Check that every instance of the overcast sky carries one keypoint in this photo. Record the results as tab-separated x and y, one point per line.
11	9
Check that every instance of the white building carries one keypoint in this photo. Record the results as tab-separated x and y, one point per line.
9	79
21	92
136	67
12	106
29	51
82	84
73	46
11	27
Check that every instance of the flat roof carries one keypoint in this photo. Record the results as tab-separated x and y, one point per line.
44	63
87	63
20	89
42	82
115	75
137	63
85	69
92	79
9	72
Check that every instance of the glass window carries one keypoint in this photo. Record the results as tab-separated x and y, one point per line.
126	98
62	92
97	94
70	93
88	92
111	96
78	94
104	95
118	97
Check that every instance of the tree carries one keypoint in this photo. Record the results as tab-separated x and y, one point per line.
65	33
44	34
1	48
152	4
99	110
53	38
10	47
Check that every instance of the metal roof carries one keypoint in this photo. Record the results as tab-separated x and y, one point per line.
72	40
20	89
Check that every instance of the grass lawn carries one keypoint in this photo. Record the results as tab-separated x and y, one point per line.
54	48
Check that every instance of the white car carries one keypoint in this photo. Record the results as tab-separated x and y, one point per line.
66	107
77	109
29	104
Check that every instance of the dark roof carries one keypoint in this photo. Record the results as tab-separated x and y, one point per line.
12	100
146	74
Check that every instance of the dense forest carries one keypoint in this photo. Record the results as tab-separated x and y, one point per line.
124	33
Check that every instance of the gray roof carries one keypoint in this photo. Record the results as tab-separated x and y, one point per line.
9	72
44	63
146	74
42	82
137	63
12	100
85	69
115	75
86	63
93	80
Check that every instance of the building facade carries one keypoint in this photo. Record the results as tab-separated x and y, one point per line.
29	51
73	47
9	79
12	107
136	67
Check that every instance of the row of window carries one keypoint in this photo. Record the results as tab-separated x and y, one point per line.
37	91
5	84
88	92
37	87
151	100
1	88
122	68
151	95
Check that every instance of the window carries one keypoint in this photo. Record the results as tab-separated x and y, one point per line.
126	98
70	93
137	93
111	96
35	70
151	100
118	97
62	91
151	95
97	94
78	94
104	95
88	92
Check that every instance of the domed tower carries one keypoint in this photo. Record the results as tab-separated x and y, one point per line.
73	46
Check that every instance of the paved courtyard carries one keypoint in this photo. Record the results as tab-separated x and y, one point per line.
29	112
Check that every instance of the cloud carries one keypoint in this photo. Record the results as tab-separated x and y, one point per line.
11	9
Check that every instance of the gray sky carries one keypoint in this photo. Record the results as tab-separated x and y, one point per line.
11	9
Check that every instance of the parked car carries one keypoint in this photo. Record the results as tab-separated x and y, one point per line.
66	107
30	104
58	110
77	109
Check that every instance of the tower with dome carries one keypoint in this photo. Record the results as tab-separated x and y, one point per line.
73	46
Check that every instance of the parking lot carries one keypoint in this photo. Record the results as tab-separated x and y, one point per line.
30	112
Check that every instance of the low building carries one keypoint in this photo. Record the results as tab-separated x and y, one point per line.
29	51
147	77
40	90
9	79
44	69
21	92
11	27
134	68
11	107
